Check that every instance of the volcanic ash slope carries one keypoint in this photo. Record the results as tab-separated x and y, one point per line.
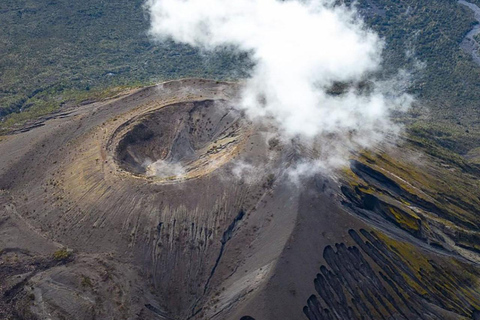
166	203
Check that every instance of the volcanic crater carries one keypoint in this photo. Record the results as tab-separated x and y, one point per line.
179	141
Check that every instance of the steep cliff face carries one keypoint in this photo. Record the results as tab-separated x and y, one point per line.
173	206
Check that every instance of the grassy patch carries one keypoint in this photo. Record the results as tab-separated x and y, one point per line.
46	104
62	254
86	282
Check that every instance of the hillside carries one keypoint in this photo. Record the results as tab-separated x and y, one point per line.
54	52
87	232
132	187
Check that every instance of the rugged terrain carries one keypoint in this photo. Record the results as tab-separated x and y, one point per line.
134	208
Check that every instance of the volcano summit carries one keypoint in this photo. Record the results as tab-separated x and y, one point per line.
146	206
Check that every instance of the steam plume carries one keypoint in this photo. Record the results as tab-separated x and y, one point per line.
301	51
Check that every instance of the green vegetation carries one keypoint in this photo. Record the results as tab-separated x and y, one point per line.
55	52
445	139
86	282
62	254
59	52
429	33
46	102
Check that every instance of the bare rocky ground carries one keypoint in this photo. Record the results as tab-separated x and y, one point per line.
129	209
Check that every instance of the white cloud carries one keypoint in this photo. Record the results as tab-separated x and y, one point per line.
300	49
